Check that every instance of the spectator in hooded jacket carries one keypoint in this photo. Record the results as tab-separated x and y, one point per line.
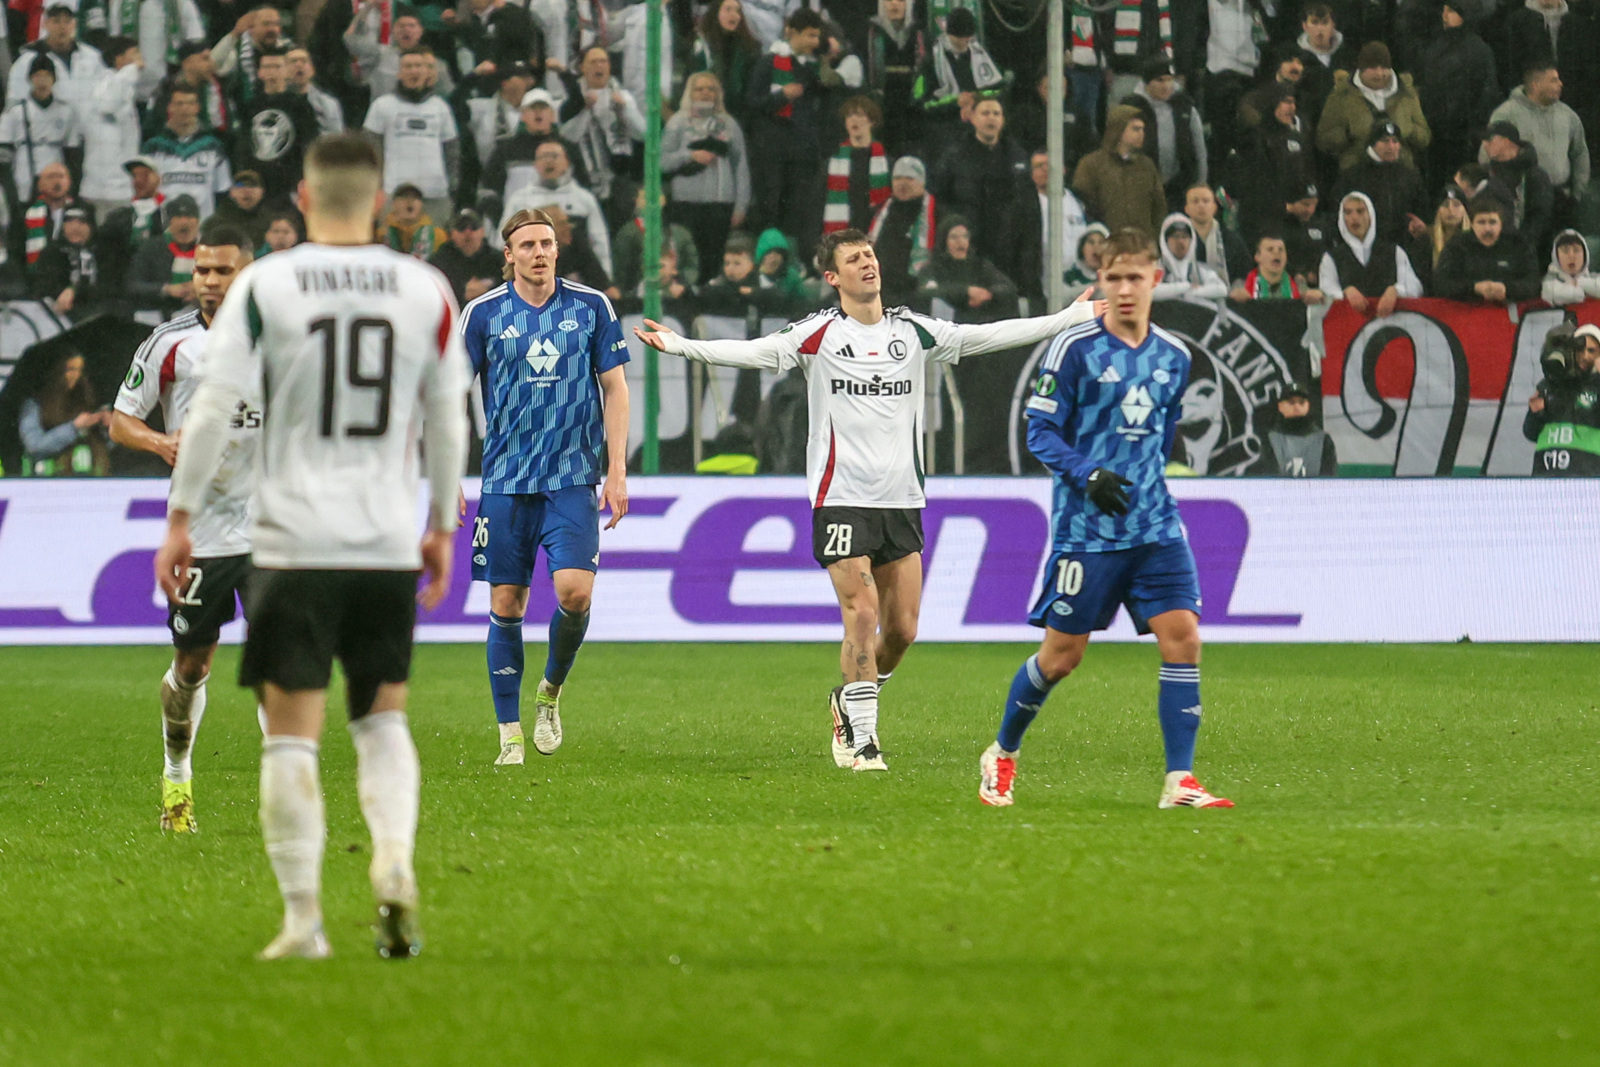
1395	190
1277	156
785	108
1173	134
38	129
1323	51
1289	70
704	158
1085	269
78	67
977	289
903	231
896	49
1489	264
1184	278
1118	183
1029	121
1553	130
111	129
67	274
981	178
1306	232
1456	81
1569	279
1374	93
956	75
1361	267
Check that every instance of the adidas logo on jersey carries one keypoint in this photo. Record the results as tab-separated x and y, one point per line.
542	356
510	333
1109	376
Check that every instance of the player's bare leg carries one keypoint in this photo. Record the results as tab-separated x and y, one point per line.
574	593
292	818
507	605
899	607
1058	656
855	703
389	783
1178	634
183	704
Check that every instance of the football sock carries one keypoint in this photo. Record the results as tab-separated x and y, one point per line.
182	707
293	824
566	637
505	667
883	680
1028	691
1179	708
861	705
389	782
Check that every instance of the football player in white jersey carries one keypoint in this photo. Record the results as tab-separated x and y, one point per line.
162	373
354	350
865	368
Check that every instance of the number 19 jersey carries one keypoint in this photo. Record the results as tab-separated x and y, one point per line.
345	344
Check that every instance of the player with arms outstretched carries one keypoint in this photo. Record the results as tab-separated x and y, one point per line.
163	373
549	355
865	369
1101	418
354	350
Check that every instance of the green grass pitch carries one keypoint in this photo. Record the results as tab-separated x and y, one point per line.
1412	875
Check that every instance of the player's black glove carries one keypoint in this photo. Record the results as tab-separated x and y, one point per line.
1106	488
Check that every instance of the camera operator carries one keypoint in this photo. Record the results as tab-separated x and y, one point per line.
1564	414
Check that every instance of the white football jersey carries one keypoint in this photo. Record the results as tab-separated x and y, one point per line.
866	387
163	372
348	346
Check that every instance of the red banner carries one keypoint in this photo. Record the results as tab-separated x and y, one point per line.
1439	387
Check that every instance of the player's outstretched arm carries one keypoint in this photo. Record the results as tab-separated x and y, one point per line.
774	352
614	493
975	340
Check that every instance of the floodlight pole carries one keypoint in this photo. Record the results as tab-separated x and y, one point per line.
650	460
1055	117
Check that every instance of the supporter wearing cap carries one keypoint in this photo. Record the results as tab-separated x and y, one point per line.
1514	170
1288	68
78	67
1173	134
1459	86
163	268
40	128
124	229
247	207
472	267
1295	444
1396	190
1306	231
493	119
67	274
1369	96
510	169
903	231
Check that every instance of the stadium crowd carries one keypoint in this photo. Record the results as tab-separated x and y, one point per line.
1357	150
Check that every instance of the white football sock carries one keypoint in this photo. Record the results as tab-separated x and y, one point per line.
883	679
389	780
294	825
861	704
508	731
182	708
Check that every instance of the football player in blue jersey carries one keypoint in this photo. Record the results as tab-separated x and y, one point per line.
549	355
1101	418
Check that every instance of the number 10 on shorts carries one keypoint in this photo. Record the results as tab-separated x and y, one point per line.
1069	577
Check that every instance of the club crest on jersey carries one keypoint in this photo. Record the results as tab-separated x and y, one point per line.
897	349
567	325
542	356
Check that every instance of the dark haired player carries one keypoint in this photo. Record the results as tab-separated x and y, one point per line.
1102	418
163	373
865	368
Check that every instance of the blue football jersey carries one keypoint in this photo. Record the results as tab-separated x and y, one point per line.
539	370
1115	407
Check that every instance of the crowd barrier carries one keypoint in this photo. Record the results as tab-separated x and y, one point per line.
729	559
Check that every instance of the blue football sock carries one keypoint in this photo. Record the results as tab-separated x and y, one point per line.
505	666
1028	690
566	637
1180	713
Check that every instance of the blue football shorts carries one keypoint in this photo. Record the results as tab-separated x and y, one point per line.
509	530
1082	590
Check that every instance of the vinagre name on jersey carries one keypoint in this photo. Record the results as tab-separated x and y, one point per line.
352	278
